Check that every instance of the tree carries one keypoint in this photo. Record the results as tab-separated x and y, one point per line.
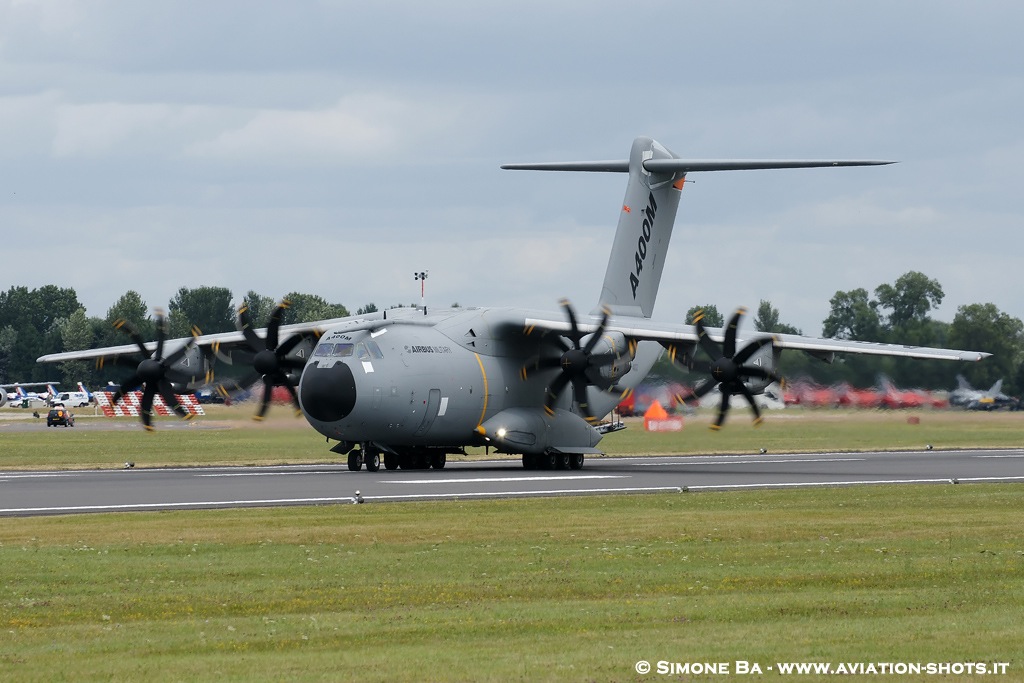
76	334
767	320
130	308
853	316
368	308
207	308
983	327
260	307
35	315
910	299
712	318
8	338
309	307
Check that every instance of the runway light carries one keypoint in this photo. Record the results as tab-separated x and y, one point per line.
928	447
359	497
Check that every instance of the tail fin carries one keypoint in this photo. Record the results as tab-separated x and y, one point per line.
656	178
51	391
20	392
81	387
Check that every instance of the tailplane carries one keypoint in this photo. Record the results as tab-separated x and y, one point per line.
648	214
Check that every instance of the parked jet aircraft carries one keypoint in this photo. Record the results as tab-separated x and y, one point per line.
412	385
966	396
19	395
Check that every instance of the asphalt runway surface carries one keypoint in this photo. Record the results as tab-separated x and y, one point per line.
71	492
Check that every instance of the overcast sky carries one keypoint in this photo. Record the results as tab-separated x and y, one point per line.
336	148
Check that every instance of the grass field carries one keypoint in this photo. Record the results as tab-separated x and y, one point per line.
546	589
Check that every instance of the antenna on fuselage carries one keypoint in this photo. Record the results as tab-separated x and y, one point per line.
422	277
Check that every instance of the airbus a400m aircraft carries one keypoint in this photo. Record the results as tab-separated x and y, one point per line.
407	387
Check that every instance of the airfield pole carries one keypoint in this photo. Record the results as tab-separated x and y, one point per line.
422	277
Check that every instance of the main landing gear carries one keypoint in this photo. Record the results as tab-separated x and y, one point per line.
553	461
373	457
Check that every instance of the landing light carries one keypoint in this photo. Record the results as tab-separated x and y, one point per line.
500	433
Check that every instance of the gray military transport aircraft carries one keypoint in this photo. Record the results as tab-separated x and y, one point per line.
407	387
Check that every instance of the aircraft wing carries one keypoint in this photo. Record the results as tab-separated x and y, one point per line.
222	343
643	329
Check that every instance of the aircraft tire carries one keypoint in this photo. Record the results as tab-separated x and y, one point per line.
438	461
562	461
391	462
529	461
576	461
355	461
372	461
548	461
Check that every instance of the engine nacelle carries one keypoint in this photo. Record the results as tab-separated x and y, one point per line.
766	357
617	344
529	430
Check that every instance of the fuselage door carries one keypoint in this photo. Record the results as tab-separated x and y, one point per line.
432	408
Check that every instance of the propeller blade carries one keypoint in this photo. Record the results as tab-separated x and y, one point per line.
710	347
596	337
729	349
161	334
125	326
268	387
750	349
274	324
252	340
167	392
723	409
289	344
753	404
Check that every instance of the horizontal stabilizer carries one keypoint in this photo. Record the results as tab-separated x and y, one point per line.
691	165
592	166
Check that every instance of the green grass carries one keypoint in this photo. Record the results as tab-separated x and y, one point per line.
543	589
228	437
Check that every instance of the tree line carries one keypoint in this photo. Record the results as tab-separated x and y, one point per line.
50	319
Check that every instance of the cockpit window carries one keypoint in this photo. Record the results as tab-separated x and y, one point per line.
374	349
361	352
336	350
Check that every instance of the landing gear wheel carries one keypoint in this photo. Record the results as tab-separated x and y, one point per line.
355	461
438	460
576	461
391	462
562	461
372	461
529	461
548	461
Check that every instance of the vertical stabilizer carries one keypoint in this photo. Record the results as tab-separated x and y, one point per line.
646	219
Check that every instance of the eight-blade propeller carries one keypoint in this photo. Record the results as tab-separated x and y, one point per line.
728	368
154	371
270	358
579	366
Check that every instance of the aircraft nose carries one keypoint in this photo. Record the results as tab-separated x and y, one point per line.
327	394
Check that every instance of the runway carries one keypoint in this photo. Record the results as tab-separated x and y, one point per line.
73	492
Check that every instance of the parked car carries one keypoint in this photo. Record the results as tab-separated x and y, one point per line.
60	415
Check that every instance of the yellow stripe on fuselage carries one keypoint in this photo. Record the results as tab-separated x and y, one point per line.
483	374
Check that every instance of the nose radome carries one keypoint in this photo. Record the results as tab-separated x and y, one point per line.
327	394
